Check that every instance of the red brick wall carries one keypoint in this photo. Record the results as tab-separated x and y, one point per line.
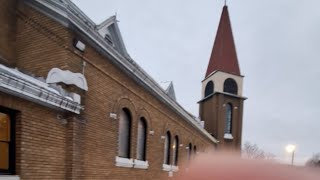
86	147
7	29
41	43
40	140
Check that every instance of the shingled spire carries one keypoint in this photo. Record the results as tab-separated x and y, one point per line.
223	55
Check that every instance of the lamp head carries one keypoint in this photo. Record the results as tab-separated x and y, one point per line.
290	148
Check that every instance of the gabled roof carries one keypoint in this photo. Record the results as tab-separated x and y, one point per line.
223	55
168	88
107	22
170	91
109	29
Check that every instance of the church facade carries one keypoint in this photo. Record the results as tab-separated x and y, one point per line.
75	105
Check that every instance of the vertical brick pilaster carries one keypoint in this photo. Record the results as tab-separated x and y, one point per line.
75	149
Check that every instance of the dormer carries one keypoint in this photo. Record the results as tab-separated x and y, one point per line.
110	31
169	89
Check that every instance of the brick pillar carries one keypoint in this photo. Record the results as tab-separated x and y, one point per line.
75	148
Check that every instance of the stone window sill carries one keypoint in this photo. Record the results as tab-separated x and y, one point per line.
166	167
228	136
140	164
175	168
124	162
170	168
8	177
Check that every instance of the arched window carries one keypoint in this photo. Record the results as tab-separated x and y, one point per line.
209	89
167	148
175	148
124	133
228	119
142	139
230	86
189	151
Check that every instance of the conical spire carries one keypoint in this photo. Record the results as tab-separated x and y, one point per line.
223	55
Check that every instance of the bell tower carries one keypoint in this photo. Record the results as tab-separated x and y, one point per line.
221	106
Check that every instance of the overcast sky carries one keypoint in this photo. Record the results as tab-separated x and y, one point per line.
278	49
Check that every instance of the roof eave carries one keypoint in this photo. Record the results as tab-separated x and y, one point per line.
214	72
224	93
130	67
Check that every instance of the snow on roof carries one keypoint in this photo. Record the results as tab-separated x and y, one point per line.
16	73
19	84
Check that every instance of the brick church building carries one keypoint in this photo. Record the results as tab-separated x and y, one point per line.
75	105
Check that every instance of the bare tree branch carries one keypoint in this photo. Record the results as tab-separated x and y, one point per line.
314	161
252	151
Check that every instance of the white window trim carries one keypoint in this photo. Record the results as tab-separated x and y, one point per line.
228	136
170	168
124	162
9	177
175	168
166	167
140	164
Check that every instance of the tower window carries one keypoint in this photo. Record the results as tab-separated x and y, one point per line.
124	133
228	119
230	86
167	148
142	139
209	89
175	148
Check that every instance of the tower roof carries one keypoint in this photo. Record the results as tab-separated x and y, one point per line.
223	55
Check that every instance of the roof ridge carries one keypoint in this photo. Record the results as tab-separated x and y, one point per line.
107	22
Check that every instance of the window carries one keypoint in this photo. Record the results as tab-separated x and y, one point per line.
167	148
7	149
190	151
209	89
230	86
142	139
108	38
228	119
124	133
175	148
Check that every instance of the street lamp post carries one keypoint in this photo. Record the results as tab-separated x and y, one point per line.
291	149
